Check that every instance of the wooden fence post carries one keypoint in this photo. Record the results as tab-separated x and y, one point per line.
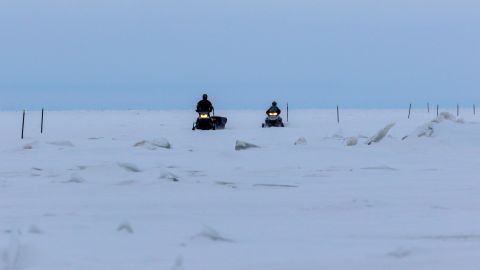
23	123
41	124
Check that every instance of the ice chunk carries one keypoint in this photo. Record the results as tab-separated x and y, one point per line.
241	145
301	141
351	141
426	130
154	144
129	167
28	146
75	179
380	134
170	176
211	234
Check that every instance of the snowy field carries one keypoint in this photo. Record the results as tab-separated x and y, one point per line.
98	191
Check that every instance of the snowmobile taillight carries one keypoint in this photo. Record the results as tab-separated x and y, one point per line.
273	114
203	116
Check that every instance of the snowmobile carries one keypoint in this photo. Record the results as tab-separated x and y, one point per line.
273	120
207	122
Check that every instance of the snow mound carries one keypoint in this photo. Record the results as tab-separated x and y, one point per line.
351	141
380	134
445	116
241	145
428	129
301	141
154	144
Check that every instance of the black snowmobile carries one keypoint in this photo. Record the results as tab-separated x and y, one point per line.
273	120
207	122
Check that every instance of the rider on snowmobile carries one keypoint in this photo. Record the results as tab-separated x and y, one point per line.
204	105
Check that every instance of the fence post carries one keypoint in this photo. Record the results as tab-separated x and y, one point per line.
409	110
41	125
287	111
23	123
437	109
338	115
458	110
428	107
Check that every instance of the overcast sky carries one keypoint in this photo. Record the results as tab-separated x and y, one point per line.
163	54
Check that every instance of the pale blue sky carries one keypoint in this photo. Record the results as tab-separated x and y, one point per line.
156	54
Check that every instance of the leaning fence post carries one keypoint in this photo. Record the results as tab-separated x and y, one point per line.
23	123
409	110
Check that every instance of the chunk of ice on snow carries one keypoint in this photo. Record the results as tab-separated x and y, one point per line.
241	145
154	144
170	176
211	234
129	167
301	141
75	179
351	141
380	134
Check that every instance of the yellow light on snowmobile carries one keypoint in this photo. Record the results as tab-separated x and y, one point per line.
203	116
273	114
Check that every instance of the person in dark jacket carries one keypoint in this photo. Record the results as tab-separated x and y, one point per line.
274	108
204	105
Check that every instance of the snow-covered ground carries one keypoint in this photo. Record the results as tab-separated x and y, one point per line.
82	196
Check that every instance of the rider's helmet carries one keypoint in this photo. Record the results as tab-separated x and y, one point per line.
205	97
274	103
